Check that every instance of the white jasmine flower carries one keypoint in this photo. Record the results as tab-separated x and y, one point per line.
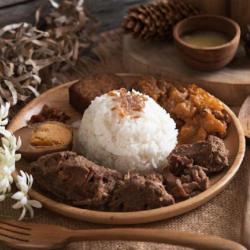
8	157
80	5
54	4
24	183
4	112
6	180
9	141
2	197
10	144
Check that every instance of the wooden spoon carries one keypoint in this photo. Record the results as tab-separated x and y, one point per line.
244	117
40	236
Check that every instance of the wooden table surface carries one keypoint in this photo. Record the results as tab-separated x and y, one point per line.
222	216
109	12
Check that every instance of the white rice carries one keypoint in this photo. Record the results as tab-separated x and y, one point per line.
125	143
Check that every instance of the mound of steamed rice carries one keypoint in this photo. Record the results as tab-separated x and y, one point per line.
117	135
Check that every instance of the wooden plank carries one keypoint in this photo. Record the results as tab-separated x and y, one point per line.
240	12
216	7
21	13
108	5
110	12
245	233
230	84
6	3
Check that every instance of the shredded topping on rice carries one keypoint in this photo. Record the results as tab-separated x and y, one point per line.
127	131
128	103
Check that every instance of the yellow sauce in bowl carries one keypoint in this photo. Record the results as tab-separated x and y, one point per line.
205	38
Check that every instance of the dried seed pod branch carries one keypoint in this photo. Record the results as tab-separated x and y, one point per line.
26	50
71	27
20	63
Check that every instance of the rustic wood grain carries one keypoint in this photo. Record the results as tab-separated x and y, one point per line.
22	12
244	117
207	59
59	98
231	84
240	12
110	12
245	235
218	7
43	236
6	3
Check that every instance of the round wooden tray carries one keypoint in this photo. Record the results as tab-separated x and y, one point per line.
230	84
58	97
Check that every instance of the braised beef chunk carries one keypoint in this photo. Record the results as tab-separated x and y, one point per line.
73	178
186	182
80	182
177	163
212	155
137	192
220	155
185	174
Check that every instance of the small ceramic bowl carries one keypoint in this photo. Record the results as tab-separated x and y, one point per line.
207	58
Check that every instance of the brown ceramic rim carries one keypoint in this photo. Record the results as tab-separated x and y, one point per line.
178	38
140	217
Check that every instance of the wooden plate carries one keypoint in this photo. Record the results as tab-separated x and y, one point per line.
58	97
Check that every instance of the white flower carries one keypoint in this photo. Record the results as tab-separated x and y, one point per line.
5	181
4	111
8	157
2	197
80	5
24	183
54	4
9	142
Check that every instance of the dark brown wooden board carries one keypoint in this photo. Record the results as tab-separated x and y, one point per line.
21	11
8	3
108	12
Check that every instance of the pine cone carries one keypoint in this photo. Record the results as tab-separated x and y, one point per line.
156	19
247	41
